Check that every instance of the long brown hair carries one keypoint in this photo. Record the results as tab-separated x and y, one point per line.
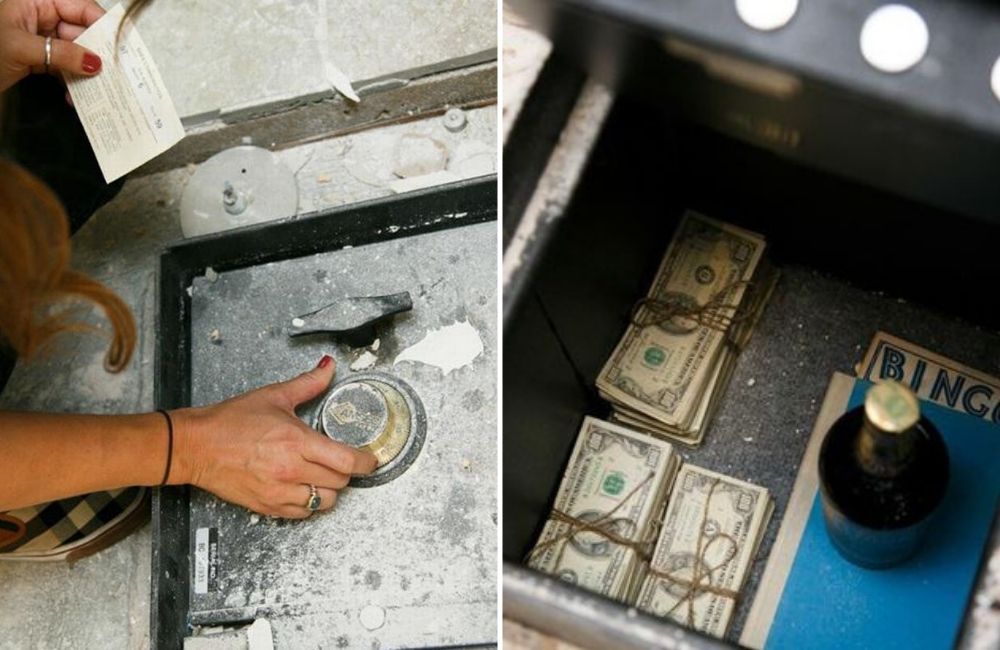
134	9
39	293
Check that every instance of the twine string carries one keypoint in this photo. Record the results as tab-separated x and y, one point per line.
715	313
601	526
701	574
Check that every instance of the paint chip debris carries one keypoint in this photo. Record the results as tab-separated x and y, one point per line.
211	275
215	336
336	77
260	636
751	381
448	348
298	322
364	361
372	617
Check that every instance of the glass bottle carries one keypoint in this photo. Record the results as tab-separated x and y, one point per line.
883	471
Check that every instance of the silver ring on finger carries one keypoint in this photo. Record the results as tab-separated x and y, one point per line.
48	53
312	505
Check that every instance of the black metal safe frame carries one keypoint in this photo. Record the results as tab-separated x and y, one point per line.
395	217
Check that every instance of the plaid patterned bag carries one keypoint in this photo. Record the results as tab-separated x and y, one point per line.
72	528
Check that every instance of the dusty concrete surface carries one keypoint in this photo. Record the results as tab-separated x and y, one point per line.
311	118
223	54
102	602
344	170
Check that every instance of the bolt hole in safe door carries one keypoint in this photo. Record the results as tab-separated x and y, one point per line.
407	556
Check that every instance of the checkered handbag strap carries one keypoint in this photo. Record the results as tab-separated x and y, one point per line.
48	526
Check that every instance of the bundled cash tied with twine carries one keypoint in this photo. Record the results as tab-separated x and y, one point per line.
715	314
701	579
601	526
671	366
694	586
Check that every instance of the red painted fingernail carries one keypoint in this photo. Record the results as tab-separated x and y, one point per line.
325	361
91	63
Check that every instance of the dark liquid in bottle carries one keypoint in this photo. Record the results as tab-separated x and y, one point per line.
878	493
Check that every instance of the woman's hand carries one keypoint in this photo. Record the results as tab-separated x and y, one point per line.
254	451
24	25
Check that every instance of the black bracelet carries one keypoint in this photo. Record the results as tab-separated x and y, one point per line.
170	446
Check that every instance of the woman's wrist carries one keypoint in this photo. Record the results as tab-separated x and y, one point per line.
186	461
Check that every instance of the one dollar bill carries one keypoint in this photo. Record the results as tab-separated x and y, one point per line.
617	480
667	371
739	336
707	544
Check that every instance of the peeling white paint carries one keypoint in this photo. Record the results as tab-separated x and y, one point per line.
363	362
259	635
334	75
449	347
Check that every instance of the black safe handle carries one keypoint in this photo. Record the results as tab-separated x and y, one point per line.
352	320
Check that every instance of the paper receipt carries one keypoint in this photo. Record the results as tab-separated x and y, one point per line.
125	110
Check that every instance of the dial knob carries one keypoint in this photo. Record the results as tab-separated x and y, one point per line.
370	415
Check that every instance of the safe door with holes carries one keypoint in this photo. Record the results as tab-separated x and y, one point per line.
406	558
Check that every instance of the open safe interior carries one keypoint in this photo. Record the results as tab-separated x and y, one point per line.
874	208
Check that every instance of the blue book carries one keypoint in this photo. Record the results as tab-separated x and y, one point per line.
811	597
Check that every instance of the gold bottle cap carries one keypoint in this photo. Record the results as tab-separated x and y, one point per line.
892	407
370	415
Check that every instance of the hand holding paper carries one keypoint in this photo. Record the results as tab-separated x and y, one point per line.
25	25
126	110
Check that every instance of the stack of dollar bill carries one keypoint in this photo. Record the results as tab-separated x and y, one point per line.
707	544
687	563
667	374
616	480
